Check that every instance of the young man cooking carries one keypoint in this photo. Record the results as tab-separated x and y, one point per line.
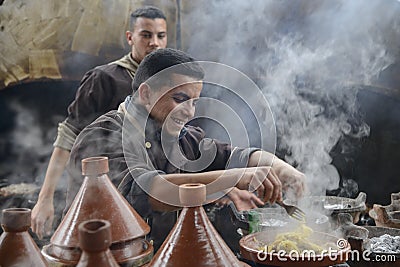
151	150
101	90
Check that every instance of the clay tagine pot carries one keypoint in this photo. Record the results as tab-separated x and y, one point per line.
194	241
17	247
95	240
387	216
99	199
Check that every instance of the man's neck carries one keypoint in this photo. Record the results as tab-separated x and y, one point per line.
134	58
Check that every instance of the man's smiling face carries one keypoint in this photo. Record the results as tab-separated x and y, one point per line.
173	108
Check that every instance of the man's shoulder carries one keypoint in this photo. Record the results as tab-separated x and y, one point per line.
107	72
104	125
109	124
102	137
108	69
110	120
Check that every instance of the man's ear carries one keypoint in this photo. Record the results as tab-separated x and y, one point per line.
128	35
144	94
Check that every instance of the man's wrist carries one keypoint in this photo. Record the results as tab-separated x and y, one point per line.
46	198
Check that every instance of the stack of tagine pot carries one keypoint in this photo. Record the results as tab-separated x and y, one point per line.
99	199
194	241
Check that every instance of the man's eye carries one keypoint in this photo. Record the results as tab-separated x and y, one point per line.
179	100
161	36
147	36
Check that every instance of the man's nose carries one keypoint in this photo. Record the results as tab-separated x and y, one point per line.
155	41
189	108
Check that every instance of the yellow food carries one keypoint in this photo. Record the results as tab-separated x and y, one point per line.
295	241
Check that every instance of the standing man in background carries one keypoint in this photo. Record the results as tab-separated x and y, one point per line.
101	89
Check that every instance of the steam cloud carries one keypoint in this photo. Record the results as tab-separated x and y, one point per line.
28	156
32	146
309	58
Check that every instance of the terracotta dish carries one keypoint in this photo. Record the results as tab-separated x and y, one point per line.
273	216
251	248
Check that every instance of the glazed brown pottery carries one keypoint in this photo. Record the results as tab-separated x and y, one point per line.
99	199
194	241
95	240
17	247
252	247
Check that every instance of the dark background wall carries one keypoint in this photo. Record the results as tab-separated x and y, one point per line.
275	43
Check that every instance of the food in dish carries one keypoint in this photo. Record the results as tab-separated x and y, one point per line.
297	241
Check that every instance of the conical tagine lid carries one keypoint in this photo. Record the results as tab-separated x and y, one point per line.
98	198
95	240
194	241
17	247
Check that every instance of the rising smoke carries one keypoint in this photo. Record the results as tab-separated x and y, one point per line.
309	58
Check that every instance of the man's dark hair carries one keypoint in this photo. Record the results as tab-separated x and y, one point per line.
149	12
162	59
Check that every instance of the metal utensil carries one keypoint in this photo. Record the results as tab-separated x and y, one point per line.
293	211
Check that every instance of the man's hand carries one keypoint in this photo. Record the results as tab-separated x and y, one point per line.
243	199
42	218
263	180
293	181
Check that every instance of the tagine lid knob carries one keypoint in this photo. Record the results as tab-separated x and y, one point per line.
95	166
16	219
192	194
95	235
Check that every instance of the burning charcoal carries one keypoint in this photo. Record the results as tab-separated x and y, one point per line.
385	243
382	249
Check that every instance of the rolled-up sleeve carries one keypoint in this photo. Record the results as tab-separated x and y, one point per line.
66	136
240	157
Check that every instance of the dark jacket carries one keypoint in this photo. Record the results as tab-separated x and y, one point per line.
101	89
134	163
